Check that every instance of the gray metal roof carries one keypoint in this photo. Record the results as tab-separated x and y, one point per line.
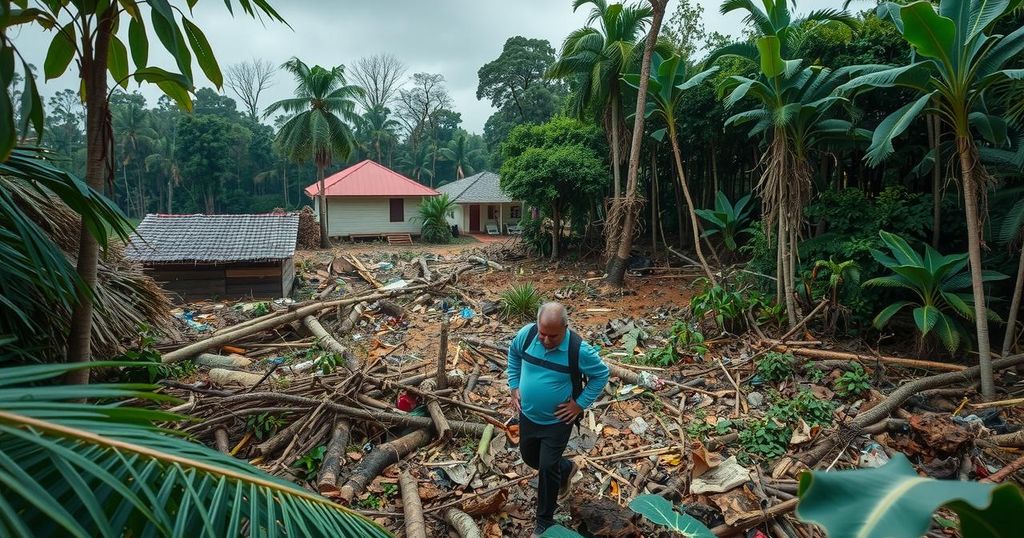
214	238
484	187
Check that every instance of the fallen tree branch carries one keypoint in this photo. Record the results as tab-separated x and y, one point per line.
770	513
415	527
276	321
1006	471
867	359
327	340
469	428
462	523
334	456
493	265
220	438
380	457
444	431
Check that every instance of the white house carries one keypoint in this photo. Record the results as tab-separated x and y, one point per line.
481	206
369	199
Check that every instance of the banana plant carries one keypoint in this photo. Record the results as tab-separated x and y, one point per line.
667	84
894	501
79	469
957	63
727	218
938	282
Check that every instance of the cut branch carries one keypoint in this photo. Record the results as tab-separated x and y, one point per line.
415	527
379	458
334	456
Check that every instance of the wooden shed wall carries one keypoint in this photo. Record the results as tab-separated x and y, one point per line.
232	280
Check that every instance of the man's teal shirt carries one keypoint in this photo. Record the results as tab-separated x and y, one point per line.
542	389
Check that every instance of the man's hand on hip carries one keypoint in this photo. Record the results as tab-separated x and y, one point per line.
568	411
515	402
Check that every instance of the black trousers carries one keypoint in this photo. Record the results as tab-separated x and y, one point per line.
541	446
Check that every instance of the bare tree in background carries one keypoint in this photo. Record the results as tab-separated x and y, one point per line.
248	80
417	106
381	76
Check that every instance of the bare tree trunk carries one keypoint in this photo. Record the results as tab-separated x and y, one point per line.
616	157
325	242
714	166
969	167
679	214
441	376
1011	320
556	230
694	225
287	204
654	203
170	196
94	79
334	456
617	266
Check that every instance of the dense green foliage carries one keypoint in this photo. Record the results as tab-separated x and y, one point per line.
520	302
433	215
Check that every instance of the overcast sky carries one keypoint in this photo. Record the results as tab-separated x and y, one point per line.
451	37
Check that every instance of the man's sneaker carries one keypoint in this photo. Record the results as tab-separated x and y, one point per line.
566	485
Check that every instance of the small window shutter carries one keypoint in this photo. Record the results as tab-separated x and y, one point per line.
397	210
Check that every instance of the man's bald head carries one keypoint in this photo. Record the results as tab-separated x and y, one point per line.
552	323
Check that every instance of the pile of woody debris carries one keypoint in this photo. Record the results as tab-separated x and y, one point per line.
386	392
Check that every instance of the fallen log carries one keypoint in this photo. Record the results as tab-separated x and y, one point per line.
334	456
221	361
462	523
493	265
286	317
1006	440
444	431
1006	471
220	376
469	428
770	513
839	355
415	527
380	457
328	341
894	400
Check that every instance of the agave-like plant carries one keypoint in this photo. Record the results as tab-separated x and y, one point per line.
77	469
727	218
434	213
938	281
520	301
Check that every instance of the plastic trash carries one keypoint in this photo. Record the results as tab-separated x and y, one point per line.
649	380
396	285
872	456
467	313
638	426
384	266
406	402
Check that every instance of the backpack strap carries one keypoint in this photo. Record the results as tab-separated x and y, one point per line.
531	335
575	342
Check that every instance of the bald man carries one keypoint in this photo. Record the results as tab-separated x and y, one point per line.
553	376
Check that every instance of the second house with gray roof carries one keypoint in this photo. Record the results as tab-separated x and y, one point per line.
481	205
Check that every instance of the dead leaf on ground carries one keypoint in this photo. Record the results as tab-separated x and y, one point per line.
482	506
737	505
703	460
940	433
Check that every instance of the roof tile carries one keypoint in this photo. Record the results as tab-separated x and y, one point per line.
214	238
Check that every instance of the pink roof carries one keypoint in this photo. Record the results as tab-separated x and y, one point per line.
370	179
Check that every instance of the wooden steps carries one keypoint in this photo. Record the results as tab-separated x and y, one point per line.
399	239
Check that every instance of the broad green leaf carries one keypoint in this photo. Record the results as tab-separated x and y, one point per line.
139	43
891	11
894	501
984	13
204	53
659	134
925	318
888	312
949	332
8	134
166	28
559	531
931	34
661	512
960	305
901	250
915	75
117	62
132	8
992	128
174	85
770	49
31	105
891	127
60	53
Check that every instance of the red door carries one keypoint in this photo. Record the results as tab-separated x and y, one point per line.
474	218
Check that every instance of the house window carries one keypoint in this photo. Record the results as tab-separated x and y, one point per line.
517	211
397	210
492	212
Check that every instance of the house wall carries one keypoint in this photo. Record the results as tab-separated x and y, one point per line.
264	280
348	215
462	216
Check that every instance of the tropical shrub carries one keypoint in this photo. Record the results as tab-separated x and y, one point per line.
536	236
434	214
853	382
727	219
775	367
520	302
900	502
941	286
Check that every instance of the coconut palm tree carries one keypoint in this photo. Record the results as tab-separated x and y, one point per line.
164	164
323	109
135	138
378	127
108	469
459	155
957	64
595	58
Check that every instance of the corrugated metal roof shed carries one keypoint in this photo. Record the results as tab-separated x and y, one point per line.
370	179
214	238
482	188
